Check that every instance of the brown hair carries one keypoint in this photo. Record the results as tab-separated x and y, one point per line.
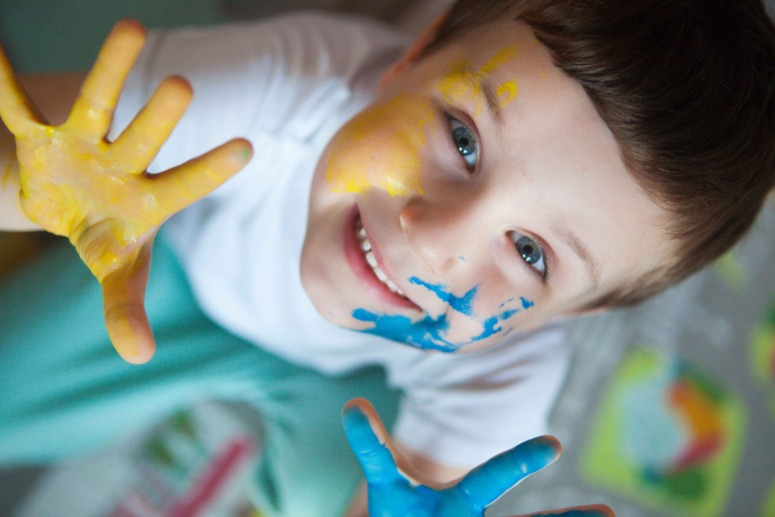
687	87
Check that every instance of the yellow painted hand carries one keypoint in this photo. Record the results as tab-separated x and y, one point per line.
76	183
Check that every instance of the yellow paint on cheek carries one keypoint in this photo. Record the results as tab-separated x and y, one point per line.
381	147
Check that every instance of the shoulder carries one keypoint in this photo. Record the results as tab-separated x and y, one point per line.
310	43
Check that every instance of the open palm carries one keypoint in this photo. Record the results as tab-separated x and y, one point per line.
391	494
77	184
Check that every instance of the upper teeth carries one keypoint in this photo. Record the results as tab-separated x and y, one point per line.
365	245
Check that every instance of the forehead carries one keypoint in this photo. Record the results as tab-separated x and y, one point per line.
550	155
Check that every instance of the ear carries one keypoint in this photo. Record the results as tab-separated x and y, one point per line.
411	54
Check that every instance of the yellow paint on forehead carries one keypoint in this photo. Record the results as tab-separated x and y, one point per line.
380	148
502	56
507	91
463	84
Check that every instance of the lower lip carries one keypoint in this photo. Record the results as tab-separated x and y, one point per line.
362	270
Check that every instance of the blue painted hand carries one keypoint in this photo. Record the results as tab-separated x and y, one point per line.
391	494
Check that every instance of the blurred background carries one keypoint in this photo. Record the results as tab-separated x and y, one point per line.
669	408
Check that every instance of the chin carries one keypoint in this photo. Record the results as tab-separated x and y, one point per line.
325	298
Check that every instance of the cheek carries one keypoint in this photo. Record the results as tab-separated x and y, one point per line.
499	320
381	147
493	315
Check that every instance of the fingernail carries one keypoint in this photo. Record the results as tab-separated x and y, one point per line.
541	452
242	155
354	416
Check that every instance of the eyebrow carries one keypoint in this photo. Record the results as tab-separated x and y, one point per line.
491	100
483	87
582	252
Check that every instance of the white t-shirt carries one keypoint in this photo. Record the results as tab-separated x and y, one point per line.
288	84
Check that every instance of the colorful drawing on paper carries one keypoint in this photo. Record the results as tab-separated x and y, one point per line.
731	271
768	506
668	436
196	462
763	353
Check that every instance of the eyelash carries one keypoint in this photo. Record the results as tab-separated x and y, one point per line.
541	249
454	125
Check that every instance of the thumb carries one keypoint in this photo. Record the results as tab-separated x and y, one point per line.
368	440
123	295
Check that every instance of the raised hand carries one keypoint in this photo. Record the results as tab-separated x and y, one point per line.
76	183
391	494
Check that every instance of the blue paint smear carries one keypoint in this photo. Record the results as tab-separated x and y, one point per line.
427	333
460	304
430	333
491	326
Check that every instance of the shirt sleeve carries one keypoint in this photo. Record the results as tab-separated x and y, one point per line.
474	406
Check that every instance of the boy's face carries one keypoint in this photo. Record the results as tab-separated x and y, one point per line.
488	194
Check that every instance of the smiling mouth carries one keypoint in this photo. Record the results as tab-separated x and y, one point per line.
371	260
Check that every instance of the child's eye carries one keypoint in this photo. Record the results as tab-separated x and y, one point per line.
531	252
465	142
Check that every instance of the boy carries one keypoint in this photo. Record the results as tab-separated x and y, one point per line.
522	162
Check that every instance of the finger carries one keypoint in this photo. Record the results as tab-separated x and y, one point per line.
123	293
492	479
16	109
181	186
139	143
378	465
93	109
595	510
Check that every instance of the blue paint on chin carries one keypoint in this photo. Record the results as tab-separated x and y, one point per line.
427	333
430	333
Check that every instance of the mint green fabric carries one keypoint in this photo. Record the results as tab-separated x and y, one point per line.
65	35
64	391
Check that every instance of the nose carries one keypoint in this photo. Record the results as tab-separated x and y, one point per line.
434	233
